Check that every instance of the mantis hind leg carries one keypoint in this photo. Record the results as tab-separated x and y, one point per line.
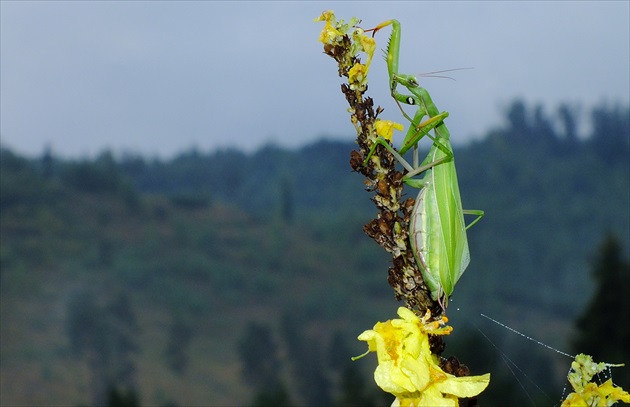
476	212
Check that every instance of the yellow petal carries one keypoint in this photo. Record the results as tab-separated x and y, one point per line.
574	400
368	44
403	312
329	34
433	397
385	129
610	392
391	379
357	76
418	372
430	397
467	386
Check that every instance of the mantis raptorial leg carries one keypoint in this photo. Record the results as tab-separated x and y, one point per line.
437	230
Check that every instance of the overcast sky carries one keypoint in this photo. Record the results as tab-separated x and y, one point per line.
160	77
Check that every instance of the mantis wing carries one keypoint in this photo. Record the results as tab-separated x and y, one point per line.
438	233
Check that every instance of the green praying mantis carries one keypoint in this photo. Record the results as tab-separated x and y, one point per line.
437	230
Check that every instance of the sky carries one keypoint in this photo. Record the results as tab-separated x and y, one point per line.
160	77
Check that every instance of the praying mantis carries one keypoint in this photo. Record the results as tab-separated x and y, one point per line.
437	231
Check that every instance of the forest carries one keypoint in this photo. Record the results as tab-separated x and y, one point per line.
227	278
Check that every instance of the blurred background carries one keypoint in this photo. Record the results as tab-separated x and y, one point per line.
179	224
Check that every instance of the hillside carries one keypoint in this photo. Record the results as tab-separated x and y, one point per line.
149	273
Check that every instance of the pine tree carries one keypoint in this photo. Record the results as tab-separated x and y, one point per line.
604	327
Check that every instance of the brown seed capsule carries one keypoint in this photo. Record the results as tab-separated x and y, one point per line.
382	187
383	226
356	161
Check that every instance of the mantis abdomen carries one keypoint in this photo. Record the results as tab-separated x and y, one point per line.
437	231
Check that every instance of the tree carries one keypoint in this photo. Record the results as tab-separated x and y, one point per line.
604	327
121	398
277	396
259	356
518	122
104	337
261	366
122	326
87	332
47	163
568	114
609	138
287	201
180	336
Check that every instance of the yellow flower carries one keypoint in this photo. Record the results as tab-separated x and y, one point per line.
329	34
334	31
363	43
407	369
586	393
327	15
357	76
368	44
385	128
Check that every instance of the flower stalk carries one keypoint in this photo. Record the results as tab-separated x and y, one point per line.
346	43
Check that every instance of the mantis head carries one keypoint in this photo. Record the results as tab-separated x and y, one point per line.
408	81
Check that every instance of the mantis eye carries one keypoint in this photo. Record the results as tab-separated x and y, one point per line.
411	101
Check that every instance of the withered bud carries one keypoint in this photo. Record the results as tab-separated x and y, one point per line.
382	187
453	366
383	226
356	161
